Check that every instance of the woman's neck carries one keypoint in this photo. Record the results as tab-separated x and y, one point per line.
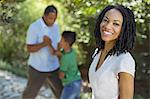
108	46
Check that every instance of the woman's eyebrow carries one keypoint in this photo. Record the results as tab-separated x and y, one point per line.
117	21
106	17
114	20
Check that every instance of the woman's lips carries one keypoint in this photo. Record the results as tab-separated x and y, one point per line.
107	33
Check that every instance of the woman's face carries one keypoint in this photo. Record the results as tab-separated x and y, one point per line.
111	25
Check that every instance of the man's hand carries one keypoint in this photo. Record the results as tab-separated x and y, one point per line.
47	40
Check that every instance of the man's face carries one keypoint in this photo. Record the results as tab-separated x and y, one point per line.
50	18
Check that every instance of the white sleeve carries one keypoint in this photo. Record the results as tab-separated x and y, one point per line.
127	65
31	35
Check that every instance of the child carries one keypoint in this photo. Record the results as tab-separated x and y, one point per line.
69	73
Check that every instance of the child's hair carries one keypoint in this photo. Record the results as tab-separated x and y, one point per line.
126	39
69	37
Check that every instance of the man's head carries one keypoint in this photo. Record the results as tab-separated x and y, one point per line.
50	15
68	38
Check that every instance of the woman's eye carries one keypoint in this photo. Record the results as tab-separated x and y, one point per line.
116	24
105	20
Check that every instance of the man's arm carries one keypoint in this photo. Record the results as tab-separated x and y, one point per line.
35	47
31	43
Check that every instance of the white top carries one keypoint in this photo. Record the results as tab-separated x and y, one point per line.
104	81
42	60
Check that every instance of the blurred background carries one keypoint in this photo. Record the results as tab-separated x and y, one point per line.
78	16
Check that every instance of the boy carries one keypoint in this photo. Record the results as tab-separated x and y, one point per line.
69	72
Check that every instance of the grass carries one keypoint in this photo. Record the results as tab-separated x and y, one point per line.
14	69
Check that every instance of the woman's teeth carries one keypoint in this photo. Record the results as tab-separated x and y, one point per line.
107	33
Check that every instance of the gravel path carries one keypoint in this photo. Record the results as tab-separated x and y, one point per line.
12	86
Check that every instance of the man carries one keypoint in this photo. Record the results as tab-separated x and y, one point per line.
43	65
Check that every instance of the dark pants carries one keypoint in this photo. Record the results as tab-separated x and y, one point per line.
36	79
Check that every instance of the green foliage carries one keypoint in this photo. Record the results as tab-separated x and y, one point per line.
12	45
138	97
15	70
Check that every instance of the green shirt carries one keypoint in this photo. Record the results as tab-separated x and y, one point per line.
68	65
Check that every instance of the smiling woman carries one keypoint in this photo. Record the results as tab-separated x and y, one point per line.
111	73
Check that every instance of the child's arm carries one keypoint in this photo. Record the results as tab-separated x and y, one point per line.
58	53
61	74
49	43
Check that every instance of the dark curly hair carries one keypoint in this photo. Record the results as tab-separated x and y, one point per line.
128	32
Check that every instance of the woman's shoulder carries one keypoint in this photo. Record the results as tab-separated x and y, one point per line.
125	63
126	57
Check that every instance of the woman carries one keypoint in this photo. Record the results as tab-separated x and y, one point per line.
111	73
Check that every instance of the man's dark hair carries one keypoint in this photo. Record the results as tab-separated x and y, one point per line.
50	9
69	37
126	39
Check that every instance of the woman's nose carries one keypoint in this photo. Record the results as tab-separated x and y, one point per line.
108	26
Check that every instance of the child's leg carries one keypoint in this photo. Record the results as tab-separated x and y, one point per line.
55	84
72	90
